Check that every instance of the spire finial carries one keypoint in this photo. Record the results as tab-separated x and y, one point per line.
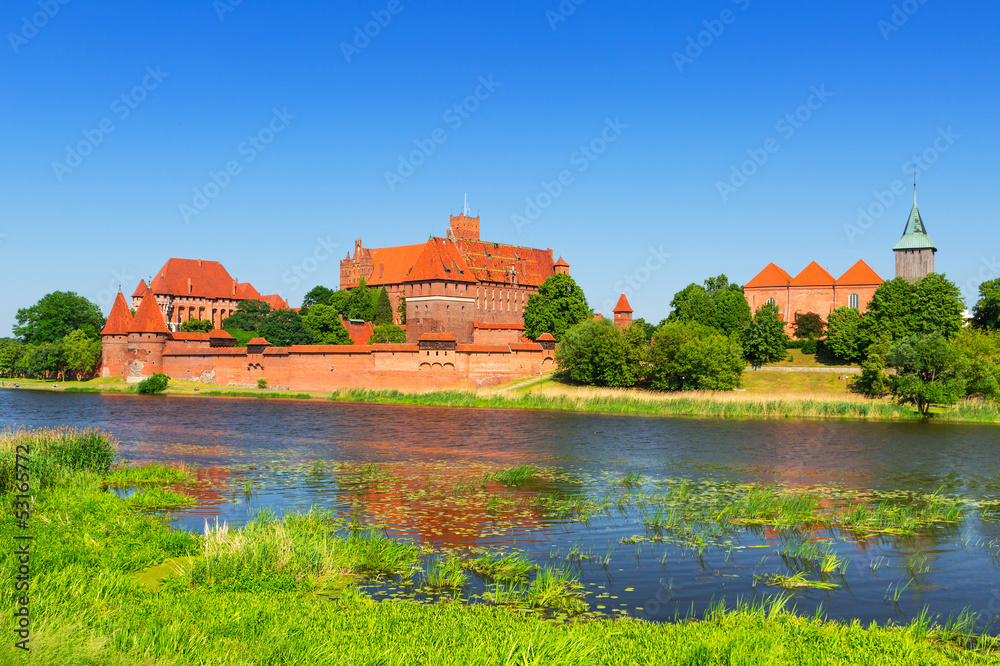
465	208
914	187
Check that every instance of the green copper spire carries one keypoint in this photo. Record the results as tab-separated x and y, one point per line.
915	237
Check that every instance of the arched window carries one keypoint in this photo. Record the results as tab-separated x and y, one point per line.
770	301
854	301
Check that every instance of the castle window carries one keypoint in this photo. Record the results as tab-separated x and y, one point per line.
770	301
854	301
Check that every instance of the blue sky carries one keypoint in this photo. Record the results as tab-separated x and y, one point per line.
644	109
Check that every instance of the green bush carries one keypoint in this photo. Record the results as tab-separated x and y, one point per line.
51	451
262	383
808	346
155	384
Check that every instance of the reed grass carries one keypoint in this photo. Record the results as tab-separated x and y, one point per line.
500	568
720	405
516	476
157	499
53	451
127	476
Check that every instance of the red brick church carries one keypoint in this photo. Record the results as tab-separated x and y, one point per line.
456	285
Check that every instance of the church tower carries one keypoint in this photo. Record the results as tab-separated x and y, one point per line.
915	250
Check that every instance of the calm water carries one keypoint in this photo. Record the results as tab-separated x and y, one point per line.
275	445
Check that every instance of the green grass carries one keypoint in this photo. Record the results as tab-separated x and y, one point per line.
516	476
720	406
798	581
500	568
144	475
51	453
156	498
446	574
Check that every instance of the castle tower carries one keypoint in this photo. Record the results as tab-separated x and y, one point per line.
623	313
463	227
114	338
147	337
915	250
561	267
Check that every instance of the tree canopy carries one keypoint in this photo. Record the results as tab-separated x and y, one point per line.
688	356
387	333
559	304
809	326
197	326
764	338
899	309
986	313
598	353
81	353
361	303
55	316
717	303
324	322
284	328
318	295
383	309
843	334
248	316
929	371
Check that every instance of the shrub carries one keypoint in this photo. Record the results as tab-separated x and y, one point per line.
809	347
52	451
262	383
155	384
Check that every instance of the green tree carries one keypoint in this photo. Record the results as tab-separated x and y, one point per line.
981	348
82	355
197	326
687	356
692	303
360	305
938	306
764	339
986	313
42	360
890	312
874	380
598	353
642	329
11	351
248	316
324	322
809	326
929	371
559	304
318	295
284	328
383	309
843	334
732	312
387	333
55	316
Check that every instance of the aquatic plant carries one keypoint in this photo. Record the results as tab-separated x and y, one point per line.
516	476
143	475
157	498
446	574
501	568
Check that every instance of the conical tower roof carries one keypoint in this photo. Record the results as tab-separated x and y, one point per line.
119	319
915	237
148	318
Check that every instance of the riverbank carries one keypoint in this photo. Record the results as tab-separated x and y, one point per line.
802	400
113	585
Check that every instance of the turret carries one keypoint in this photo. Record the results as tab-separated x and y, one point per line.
147	337
114	338
915	250
623	313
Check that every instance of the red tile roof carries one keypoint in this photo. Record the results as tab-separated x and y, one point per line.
545	336
190	337
525	346
813	275
220	334
194	277
771	276
436	337
148	318
859	274
623	305
140	289
562	262
360	333
119	319
391	264
276	302
245	291
494	262
440	260
258	342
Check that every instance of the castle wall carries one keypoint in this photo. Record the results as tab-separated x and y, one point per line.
327	368
114	354
914	264
144	356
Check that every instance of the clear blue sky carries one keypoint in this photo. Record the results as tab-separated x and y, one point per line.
890	86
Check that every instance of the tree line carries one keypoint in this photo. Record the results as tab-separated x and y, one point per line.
59	336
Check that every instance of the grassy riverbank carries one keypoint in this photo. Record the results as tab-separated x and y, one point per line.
553	396
285	591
